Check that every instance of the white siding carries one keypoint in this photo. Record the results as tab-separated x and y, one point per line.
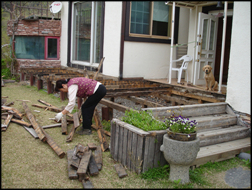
64	33
239	74
112	38
148	60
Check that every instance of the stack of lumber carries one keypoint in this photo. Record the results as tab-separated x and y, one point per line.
83	162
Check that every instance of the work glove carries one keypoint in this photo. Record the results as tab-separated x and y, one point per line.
58	116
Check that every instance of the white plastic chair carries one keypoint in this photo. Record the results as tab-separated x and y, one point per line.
186	59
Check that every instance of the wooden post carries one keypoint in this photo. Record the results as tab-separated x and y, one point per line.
32	79
39	84
22	76
62	96
49	87
105	113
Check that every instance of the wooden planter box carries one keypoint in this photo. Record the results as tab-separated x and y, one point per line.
134	148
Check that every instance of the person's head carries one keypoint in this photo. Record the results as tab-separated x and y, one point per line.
60	84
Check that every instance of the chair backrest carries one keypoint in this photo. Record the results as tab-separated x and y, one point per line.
186	60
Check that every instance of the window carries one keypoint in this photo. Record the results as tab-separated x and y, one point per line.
150	19
36	47
86	32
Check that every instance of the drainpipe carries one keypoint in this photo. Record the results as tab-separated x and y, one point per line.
193	79
172	36
122	40
223	45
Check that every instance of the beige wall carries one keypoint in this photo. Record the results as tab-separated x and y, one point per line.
239	73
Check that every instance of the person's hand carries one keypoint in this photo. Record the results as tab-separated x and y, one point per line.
58	116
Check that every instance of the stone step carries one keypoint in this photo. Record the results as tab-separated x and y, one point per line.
221	151
221	135
213	121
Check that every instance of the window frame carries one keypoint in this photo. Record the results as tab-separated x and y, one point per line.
46	47
150	35
92	37
145	38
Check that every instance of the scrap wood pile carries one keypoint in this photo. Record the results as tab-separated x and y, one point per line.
82	162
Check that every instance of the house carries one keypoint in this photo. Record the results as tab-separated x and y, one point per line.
139	40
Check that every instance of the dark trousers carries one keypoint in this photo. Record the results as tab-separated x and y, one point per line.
89	105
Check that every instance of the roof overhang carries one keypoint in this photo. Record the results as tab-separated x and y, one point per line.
192	4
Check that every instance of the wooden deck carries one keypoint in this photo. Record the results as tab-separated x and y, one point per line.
185	85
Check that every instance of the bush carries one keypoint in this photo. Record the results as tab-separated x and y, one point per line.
5	70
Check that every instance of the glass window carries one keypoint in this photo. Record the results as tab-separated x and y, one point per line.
150	19
212	35
37	47
51	47
86	32
31	47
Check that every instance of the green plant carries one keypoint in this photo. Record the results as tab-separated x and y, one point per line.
160	172
5	70
143	120
106	125
181	125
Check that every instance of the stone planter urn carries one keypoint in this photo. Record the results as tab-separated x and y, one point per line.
180	154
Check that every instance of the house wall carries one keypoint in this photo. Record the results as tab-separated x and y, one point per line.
36	28
64	33
239	73
112	38
147	60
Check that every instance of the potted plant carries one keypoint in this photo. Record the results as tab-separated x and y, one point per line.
180	147
181	128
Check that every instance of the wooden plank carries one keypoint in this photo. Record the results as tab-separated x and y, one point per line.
190	110
55	109
124	148
92	167
83	166
221	151
75	125
120	146
104	131
72	172
144	101
114	105
64	125
129	149
98	69
98	157
92	146
52	125
112	139
116	150
134	149
81	149
35	125
53	145
146	154
135	93
87	184
6	108
6	123
139	154
120	170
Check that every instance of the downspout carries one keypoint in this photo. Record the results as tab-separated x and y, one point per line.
223	45
172	36
193	79
122	40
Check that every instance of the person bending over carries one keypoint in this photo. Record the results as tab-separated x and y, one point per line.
81	87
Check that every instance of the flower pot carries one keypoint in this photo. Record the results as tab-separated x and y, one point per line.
180	154
181	136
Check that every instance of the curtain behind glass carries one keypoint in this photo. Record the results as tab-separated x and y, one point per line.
82	31
29	47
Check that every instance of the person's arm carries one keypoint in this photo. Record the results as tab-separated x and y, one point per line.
72	91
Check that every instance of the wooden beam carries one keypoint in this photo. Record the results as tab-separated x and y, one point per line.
53	145
114	105
143	101
35	125
189	95
6	122
6	108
